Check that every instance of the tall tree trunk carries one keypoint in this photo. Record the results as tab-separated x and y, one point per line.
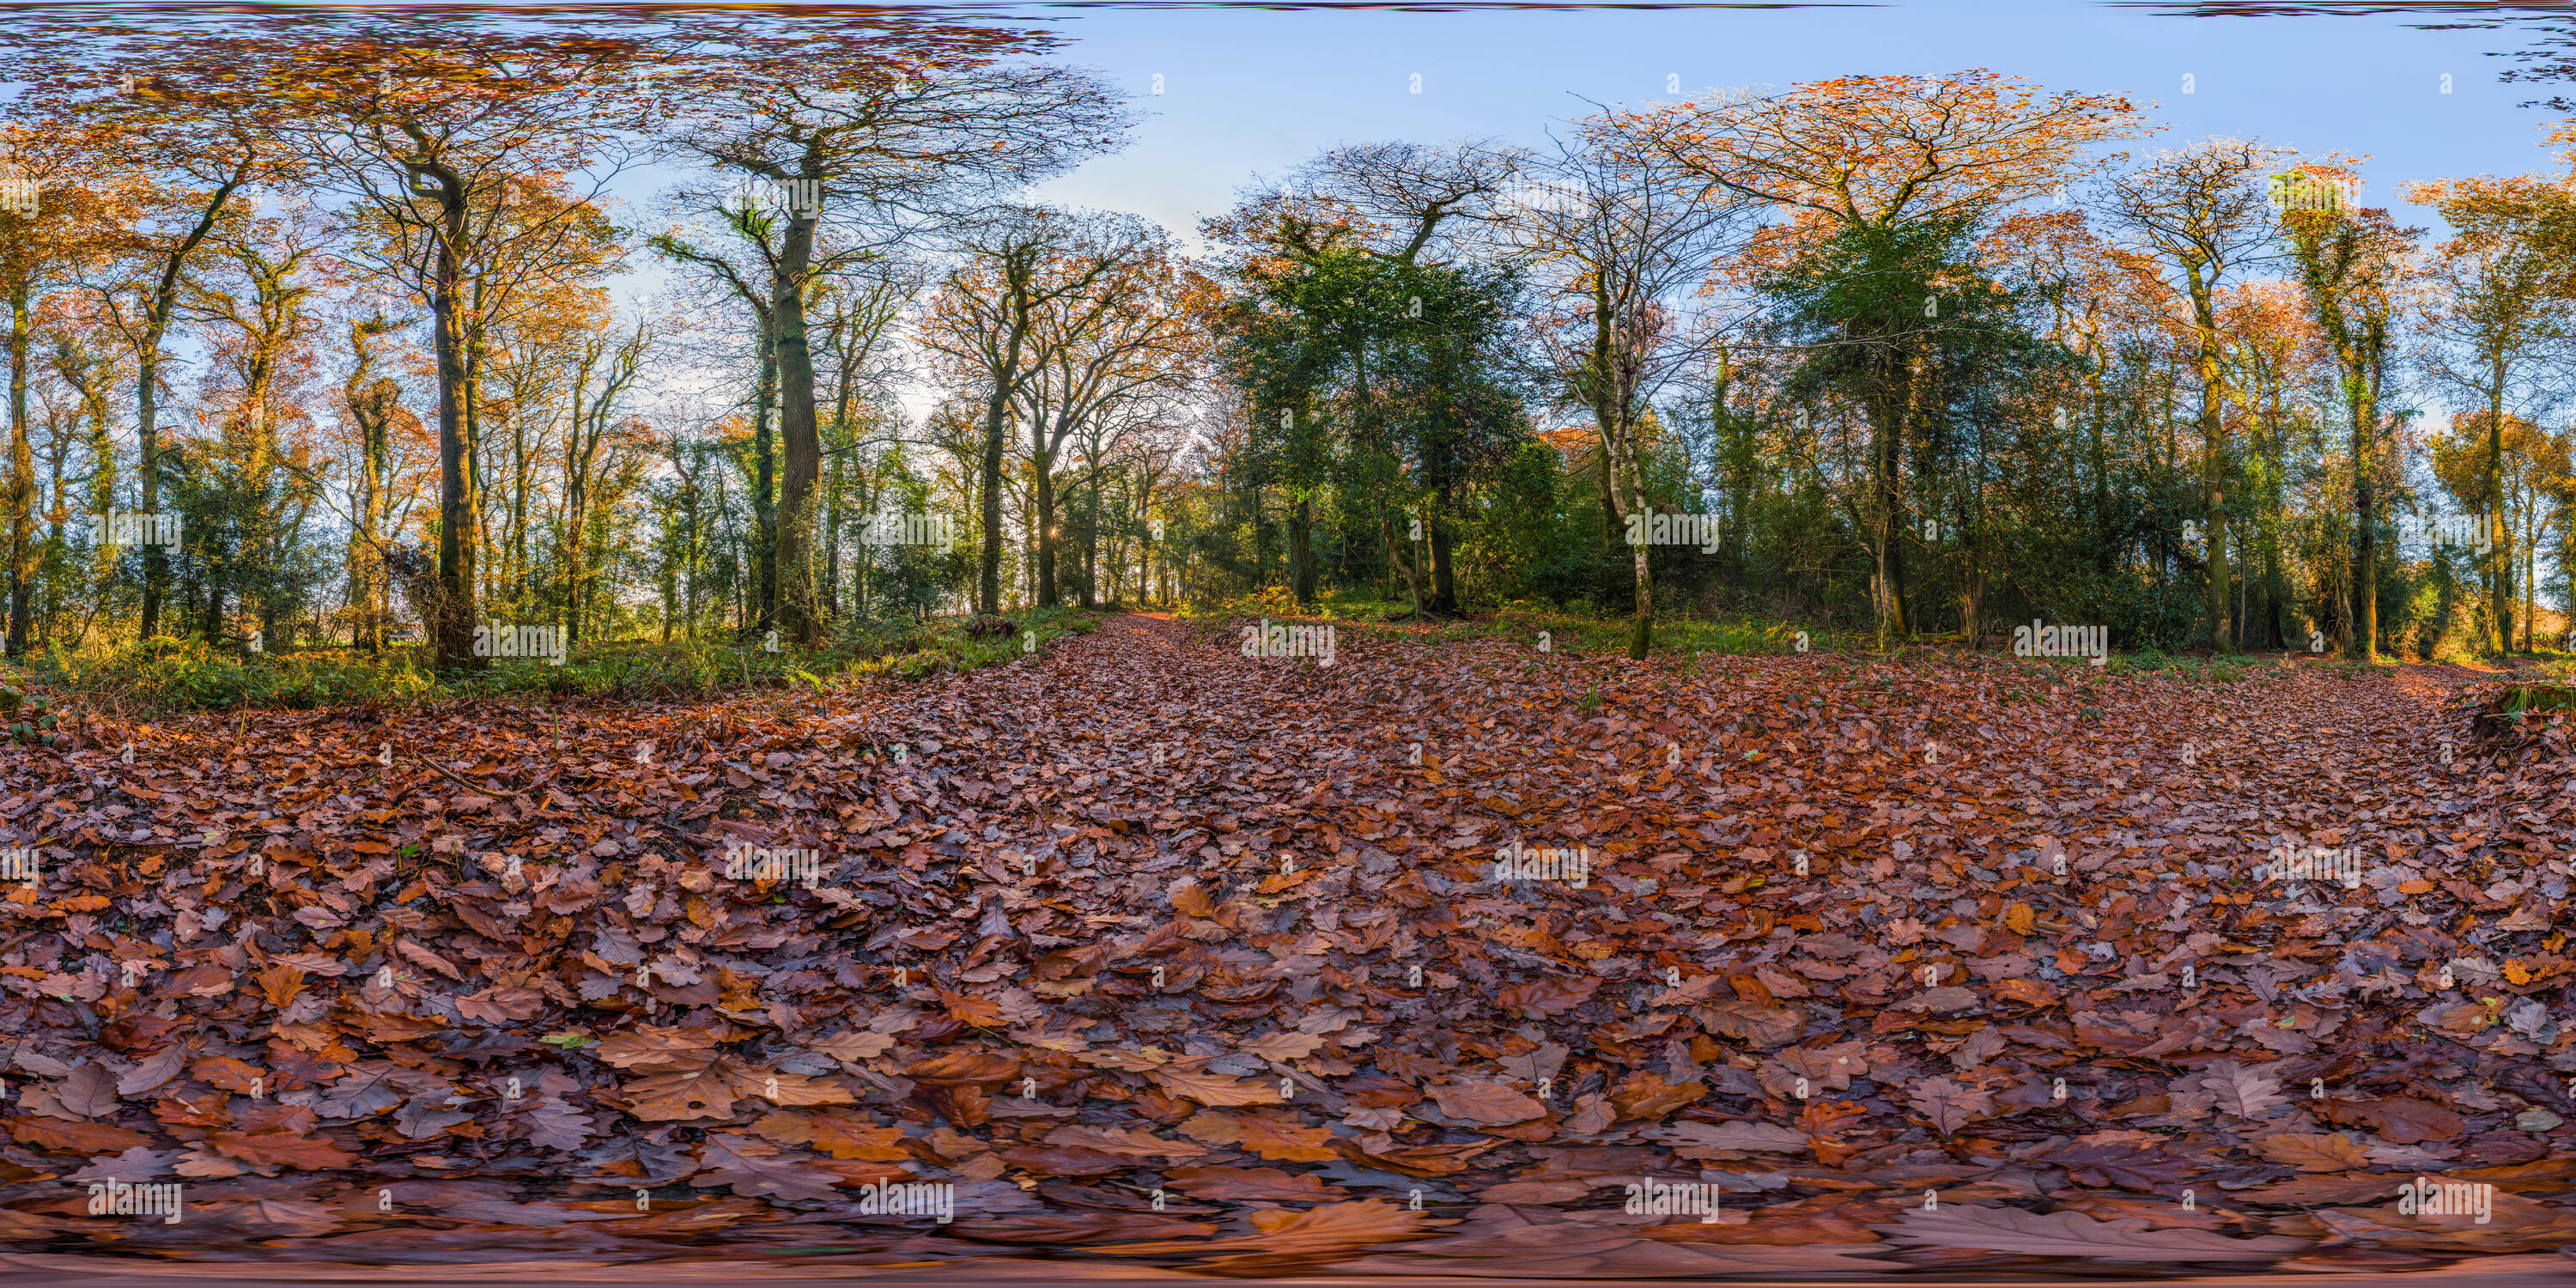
1444	586
2530	554
2364	645
764	497
371	407
988	567
460	517
1643	633
835	494
1042	466
795	362
156	561
22	478
1301	551
1887	439
2213	447
1091	544
2499	575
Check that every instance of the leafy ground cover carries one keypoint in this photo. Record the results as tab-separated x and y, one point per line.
1157	958
186	675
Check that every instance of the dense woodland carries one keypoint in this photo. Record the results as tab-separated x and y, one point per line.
1932	356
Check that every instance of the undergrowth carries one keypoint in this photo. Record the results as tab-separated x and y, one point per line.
167	675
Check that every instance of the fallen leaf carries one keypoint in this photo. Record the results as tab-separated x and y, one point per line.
754	1166
1485	1104
1282	1142
2313	1153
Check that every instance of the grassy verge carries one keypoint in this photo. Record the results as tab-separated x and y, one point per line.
1576	635
1570	633
186	675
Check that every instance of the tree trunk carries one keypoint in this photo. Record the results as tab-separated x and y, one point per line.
156	562
2499	577
988	569
2364	645
460	516
1042	466
795	362
1301	551
22	479
1444	586
764	497
1887	436
2213	446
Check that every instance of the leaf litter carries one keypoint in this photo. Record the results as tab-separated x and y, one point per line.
1144	955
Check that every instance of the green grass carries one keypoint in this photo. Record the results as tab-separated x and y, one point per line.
2197	670
1569	633
2527	698
185	675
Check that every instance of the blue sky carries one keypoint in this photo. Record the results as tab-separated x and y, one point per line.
1249	91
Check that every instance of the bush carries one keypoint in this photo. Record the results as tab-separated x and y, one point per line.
185	675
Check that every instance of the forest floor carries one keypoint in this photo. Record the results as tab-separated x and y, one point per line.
1143	957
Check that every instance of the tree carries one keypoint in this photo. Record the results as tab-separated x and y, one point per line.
191	174
754	228
1619	235
425	119
39	248
598	444
2349	265
2504	304
253	301
2271	346
872	152
379	421
2533	471
2200	213
1132	336
987	320
1339	257
1872	157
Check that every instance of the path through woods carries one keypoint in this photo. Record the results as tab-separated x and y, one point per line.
1158	955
